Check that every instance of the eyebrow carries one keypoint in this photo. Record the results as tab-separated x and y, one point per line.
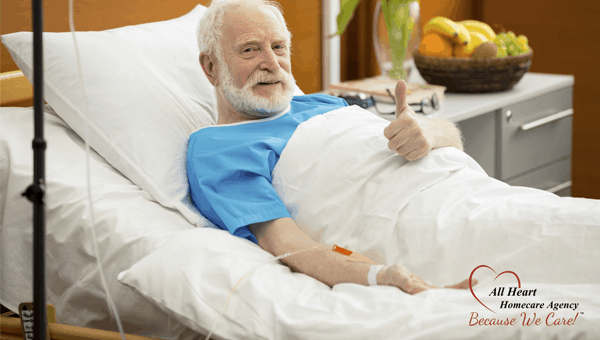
256	41
247	42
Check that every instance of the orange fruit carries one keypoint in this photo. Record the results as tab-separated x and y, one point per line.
435	45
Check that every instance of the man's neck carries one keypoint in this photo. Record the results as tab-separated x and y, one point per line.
226	113
230	119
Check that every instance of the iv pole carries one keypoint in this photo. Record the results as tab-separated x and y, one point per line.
35	192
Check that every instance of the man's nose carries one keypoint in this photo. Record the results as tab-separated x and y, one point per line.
269	61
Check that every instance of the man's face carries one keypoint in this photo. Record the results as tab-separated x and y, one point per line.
256	74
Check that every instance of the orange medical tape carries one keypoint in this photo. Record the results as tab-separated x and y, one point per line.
352	256
341	250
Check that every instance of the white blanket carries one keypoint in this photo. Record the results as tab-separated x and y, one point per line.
440	216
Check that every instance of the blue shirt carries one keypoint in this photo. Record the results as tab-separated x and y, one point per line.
230	166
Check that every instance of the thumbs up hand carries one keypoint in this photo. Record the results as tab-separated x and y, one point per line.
409	135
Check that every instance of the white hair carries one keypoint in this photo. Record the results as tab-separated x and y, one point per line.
209	32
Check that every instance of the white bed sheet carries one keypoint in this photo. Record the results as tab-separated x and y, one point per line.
186	273
129	224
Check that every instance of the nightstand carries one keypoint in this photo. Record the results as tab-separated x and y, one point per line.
522	136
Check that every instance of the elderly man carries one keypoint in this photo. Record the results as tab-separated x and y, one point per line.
245	54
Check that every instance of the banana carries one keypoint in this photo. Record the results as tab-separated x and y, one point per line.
481	27
465	51
464	37
477	39
442	26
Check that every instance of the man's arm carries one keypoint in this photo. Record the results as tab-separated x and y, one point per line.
413	136
282	236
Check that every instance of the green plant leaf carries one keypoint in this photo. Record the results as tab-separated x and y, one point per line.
347	8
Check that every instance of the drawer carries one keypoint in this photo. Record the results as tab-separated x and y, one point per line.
554	177
479	134
533	133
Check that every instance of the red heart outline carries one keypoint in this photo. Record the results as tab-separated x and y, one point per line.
504	272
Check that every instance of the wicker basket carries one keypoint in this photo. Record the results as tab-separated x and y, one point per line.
473	75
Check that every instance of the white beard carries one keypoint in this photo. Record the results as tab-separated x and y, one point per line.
251	105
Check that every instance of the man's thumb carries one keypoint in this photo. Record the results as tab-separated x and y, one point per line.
401	94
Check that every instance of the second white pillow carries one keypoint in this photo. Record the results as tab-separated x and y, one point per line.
146	92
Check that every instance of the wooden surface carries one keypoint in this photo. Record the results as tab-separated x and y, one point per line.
11	329
357	55
563	36
303	18
15	90
304	21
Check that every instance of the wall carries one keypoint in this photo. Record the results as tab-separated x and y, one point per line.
99	15
304	21
562	36
564	41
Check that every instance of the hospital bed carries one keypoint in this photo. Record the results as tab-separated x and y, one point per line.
170	272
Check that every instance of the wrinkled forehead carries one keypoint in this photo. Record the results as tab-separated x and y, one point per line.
253	24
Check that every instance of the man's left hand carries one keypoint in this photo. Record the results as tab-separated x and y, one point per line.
409	135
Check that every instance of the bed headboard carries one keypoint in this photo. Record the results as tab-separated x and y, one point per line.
94	15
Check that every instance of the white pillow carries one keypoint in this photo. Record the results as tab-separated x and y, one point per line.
146	93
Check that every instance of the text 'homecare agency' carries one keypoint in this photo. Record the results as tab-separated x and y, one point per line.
528	318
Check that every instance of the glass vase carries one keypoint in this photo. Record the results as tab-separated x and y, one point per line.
394	52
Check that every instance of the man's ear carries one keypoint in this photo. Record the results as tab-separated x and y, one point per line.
209	68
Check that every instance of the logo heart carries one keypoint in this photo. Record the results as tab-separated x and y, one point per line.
498	275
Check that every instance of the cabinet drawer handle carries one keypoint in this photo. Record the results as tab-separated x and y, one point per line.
547	120
560	187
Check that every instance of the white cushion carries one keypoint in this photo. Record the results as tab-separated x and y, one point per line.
146	92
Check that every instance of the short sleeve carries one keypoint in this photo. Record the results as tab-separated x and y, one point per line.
232	187
229	166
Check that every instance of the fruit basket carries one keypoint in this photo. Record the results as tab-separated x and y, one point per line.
471	74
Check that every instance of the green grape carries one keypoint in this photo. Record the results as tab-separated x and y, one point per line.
524	43
523	39
501	51
505	39
511	50
518	50
499	41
